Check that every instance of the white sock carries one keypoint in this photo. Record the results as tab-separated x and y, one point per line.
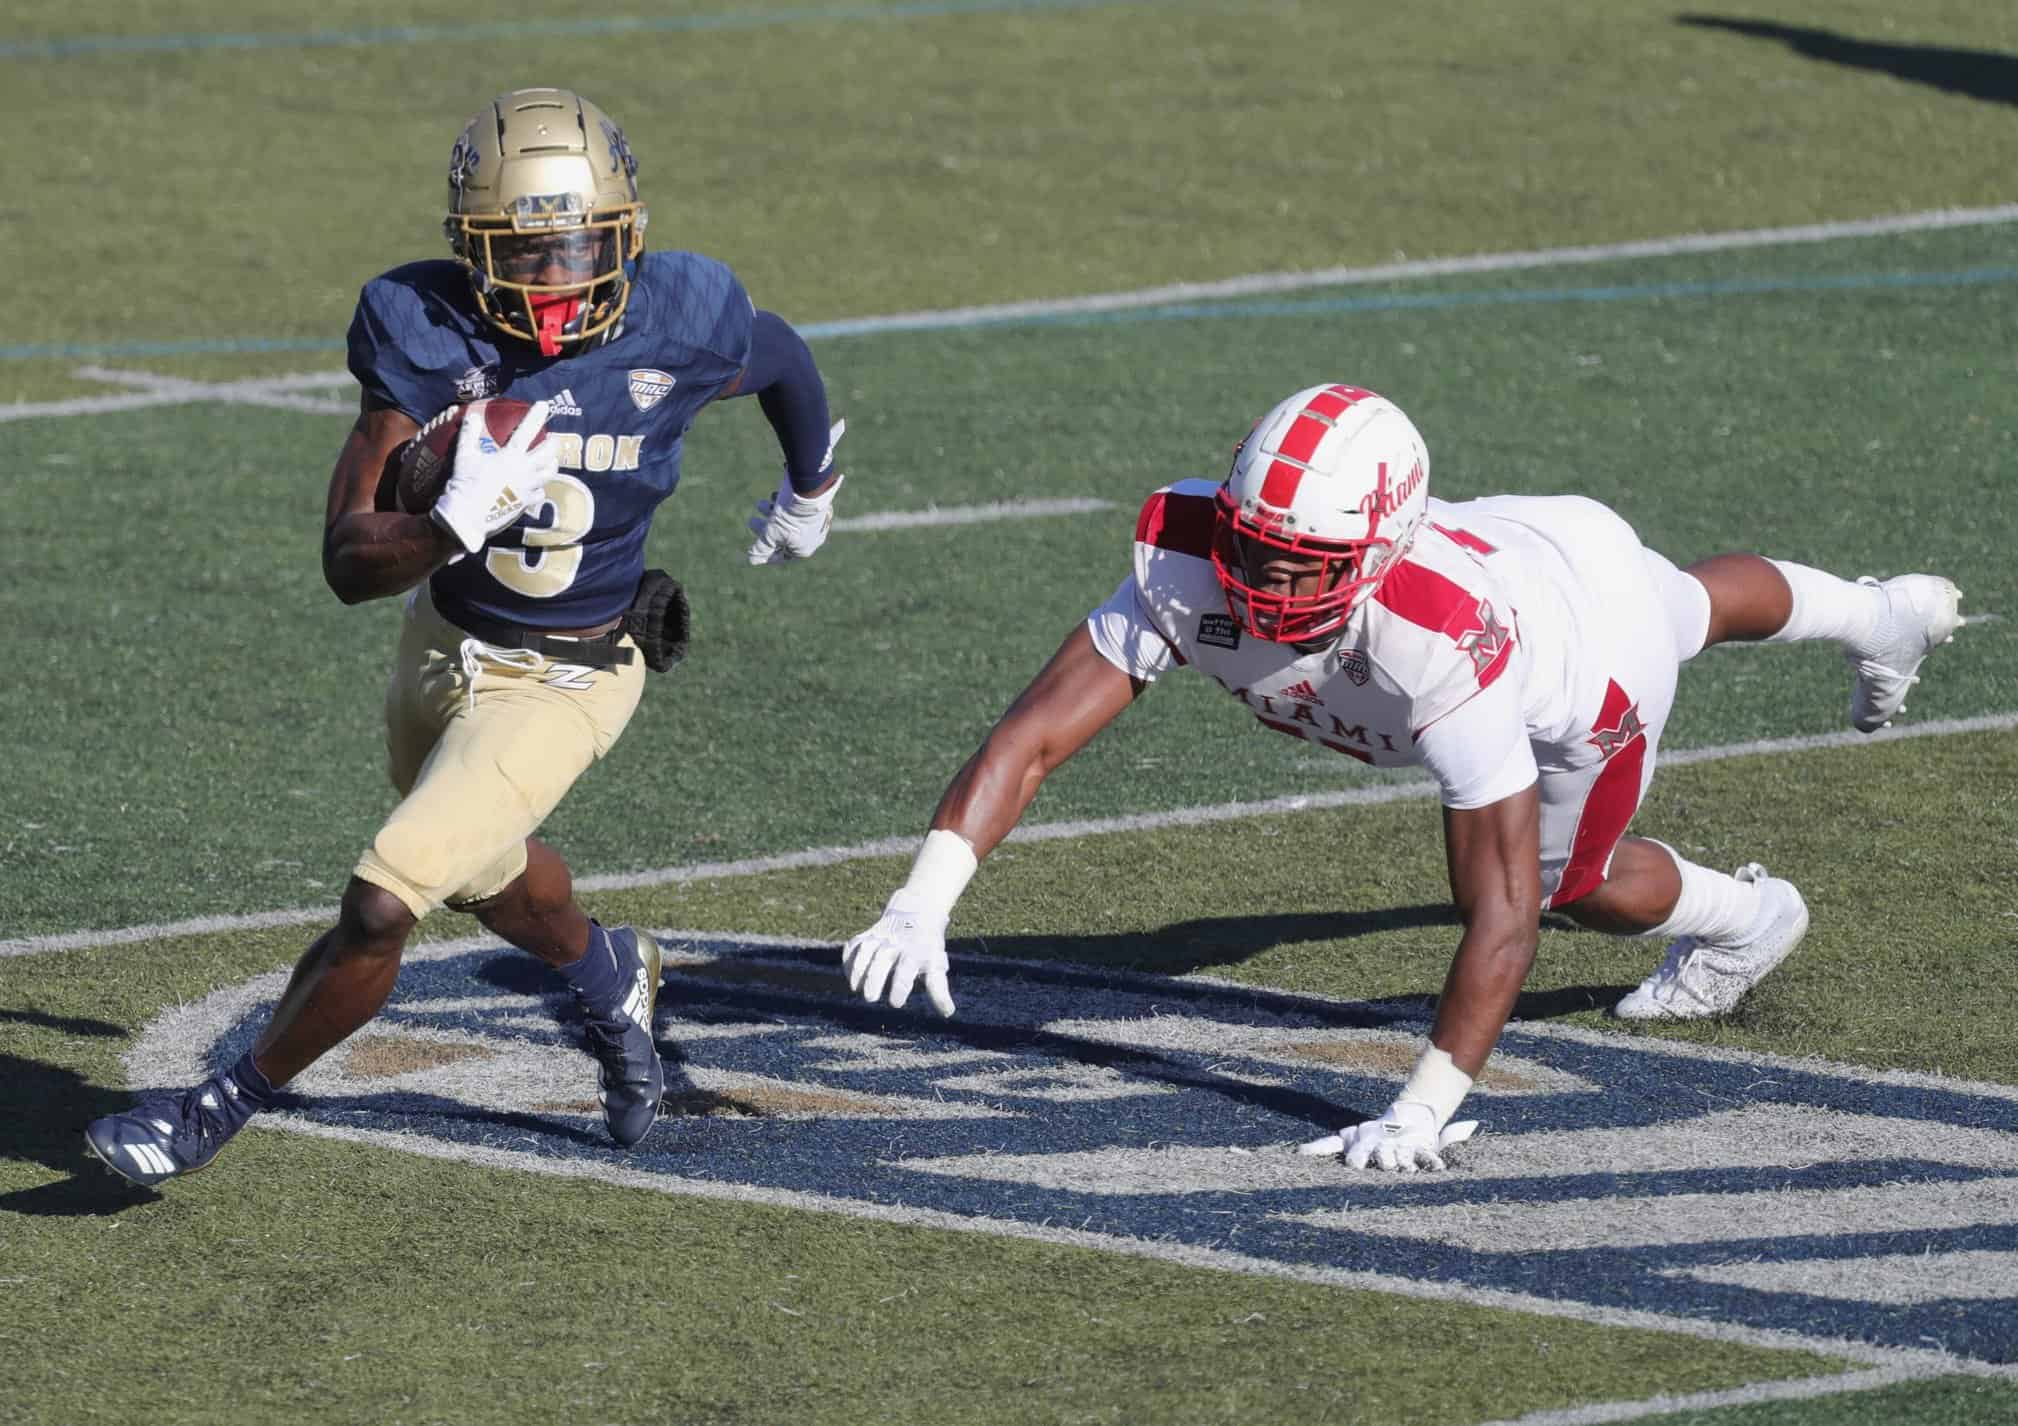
1826	607
1714	905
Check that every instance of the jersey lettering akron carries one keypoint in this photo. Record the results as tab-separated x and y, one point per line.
620	413
1440	667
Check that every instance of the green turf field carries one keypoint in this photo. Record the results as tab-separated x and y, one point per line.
1680	410
196	726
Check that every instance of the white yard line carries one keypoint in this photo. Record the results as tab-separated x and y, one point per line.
1033	832
260	391
281	392
1599	1413
152	389
89	405
971	514
1272	282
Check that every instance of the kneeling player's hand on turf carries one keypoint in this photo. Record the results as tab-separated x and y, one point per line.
491	485
791	526
1402	1140
893	953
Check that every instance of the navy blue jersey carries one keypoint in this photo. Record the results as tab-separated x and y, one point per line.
620	413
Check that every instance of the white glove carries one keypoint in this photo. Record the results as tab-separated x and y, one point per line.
1401	1141
906	943
490	486
791	526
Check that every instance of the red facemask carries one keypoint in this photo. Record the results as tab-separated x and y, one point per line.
1288	618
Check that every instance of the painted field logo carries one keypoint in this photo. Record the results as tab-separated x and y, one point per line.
1158	1115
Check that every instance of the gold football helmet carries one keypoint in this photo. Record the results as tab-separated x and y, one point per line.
543	210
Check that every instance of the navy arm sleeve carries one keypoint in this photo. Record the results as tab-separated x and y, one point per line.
787	385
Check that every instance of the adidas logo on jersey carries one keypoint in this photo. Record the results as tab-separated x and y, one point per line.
1302	692
563	405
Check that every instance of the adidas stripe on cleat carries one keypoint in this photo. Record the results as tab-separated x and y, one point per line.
632	1079
168	1138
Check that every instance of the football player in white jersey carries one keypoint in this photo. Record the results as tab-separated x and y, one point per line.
1522	650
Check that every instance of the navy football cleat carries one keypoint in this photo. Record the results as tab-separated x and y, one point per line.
633	1080
166	1138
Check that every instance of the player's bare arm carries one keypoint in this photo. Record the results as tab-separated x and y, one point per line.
1072	698
1493	854
368	553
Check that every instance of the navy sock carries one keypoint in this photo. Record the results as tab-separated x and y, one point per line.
596	978
254	1090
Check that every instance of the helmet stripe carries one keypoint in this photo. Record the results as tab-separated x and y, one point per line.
1305	432
1278	487
1299	444
1333	401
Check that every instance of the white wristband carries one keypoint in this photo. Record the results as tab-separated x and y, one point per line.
798	504
1437	1083
944	866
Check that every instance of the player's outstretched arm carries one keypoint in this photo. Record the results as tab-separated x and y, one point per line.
369	552
1494	856
1072	698
1076	695
793	523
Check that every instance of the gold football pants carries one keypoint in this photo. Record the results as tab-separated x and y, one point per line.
482	743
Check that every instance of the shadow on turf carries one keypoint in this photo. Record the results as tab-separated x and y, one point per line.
521	975
1978	74
45	1109
1208	941
1566	1000
1187	946
64	1024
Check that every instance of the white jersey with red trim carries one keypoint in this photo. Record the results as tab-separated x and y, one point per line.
1464	660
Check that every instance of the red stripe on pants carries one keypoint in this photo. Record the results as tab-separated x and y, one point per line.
1615	796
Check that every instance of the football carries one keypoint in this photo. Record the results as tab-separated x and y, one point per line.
420	467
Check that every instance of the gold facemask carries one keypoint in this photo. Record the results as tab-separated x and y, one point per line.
544	213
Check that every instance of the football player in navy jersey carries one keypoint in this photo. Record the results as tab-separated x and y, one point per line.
530	616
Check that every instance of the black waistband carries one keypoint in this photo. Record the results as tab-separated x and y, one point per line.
605	650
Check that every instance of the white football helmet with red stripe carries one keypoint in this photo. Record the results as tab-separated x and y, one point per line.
1336	474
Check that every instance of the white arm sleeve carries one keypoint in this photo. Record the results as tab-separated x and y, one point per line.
1127	637
1479	751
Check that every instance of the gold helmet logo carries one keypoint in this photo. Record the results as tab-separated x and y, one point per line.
543	211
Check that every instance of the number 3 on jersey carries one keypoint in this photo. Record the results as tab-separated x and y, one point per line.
551	539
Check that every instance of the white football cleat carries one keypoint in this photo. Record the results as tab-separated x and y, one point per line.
1922	614
1700	978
